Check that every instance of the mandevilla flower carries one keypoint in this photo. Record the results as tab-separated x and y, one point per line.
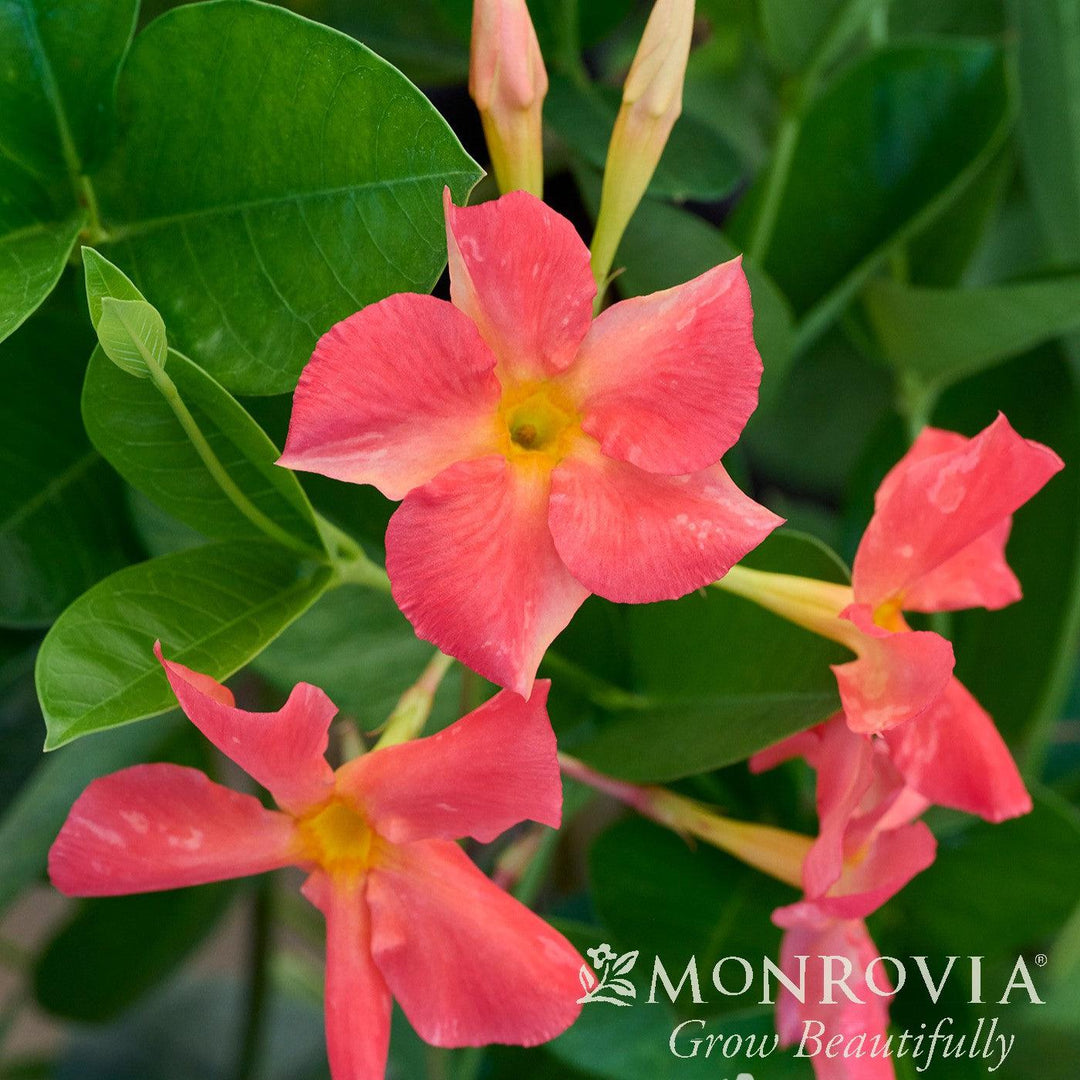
935	543
541	456
407	913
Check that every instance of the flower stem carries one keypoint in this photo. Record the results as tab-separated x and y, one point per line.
258	971
214	467
813	605
775	852
414	707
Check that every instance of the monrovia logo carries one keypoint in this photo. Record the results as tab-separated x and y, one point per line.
612	986
735	976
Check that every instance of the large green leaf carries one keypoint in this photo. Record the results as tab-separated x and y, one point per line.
62	518
301	178
134	428
884	150
361	650
59	61
30	824
92	970
213	608
1048	34
942	335
712	678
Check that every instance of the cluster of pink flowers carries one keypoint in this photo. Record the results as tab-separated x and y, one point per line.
910	734
540	456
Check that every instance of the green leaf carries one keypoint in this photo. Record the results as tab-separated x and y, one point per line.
943	335
1025	906
361	650
63	524
793	32
32	258
880	154
59	62
301	179
135	429
713	678
655	893
92	970
30	824
132	335
690	246
1019	662
213	608
697	162
1048	55
104	279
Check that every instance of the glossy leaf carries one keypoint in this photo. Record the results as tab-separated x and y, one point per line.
713	678
213	608
90	970
301	180
62	518
59	63
1048	55
104	279
361	650
942	335
132	335
886	148
30	824
136	430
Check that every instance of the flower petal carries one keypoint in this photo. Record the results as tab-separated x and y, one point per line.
357	999
894	857
897	676
467	962
152	827
668	381
284	750
520	271
635	537
478	777
977	576
936	505
394	394
473	567
809	935
953	755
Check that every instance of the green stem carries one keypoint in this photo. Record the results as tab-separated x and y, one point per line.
258	971
779	172
213	465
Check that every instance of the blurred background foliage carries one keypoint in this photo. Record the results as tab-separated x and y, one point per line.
903	180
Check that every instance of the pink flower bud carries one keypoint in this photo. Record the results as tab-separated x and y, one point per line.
507	80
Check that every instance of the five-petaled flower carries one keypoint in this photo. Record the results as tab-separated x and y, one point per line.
541	456
407	913
601	955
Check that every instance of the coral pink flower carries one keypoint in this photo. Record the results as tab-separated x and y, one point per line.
869	845
540	455
828	1012
936	542
408	915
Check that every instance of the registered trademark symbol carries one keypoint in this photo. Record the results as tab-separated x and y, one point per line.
1040	960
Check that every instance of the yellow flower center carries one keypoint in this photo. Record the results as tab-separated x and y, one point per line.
540	422
888	615
337	837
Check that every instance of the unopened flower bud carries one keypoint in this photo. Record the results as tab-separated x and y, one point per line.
652	101
507	80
